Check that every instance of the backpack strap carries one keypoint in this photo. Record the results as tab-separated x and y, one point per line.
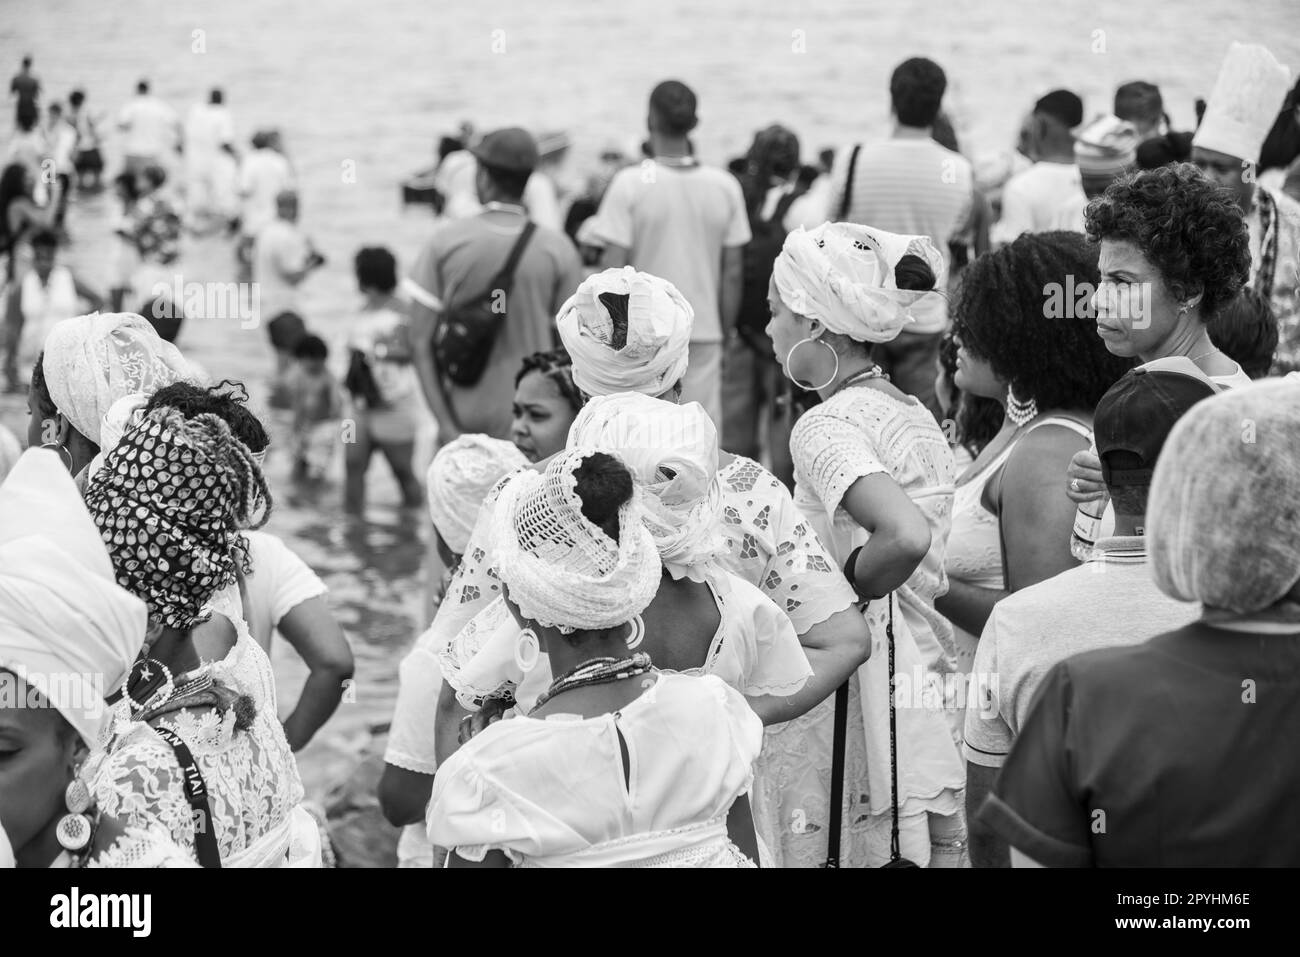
505	278
848	183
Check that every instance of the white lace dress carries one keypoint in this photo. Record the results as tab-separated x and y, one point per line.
860	432
554	792
254	791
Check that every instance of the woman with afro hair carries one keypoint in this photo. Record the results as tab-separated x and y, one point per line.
1174	252
1046	367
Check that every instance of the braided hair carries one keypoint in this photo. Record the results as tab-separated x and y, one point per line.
558	367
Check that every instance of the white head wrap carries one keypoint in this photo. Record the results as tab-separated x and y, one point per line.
842	275
672	451
66	627
1223	523
460	477
1248	94
92	361
561	570
658	334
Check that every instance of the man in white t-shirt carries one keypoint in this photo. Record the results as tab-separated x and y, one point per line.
1032	199
151	127
1108	601
264	174
283	258
675	218
209	138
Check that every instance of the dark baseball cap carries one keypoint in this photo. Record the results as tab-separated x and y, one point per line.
512	149
1134	418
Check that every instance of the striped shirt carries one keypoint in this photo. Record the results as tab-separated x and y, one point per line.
910	186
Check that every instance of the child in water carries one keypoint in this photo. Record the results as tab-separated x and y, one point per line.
316	409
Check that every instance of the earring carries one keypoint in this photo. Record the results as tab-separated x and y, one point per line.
527	650
75	828
1020	412
637	634
834	355
61	449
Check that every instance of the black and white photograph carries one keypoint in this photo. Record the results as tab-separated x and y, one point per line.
737	434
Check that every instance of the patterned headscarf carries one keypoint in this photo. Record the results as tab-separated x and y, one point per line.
169	504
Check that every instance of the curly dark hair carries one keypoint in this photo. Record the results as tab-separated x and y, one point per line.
558	367
1246	331
1189	227
1000	316
228	400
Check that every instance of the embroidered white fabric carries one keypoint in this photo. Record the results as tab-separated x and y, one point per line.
562	570
92	361
251	776
142	847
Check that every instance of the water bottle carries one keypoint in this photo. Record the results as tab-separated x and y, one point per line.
1087	525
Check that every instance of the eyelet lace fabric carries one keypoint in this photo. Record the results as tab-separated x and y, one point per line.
251	776
142	848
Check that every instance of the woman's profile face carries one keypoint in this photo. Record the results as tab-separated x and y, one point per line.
36	760
1135	312
975	375
786	328
542	417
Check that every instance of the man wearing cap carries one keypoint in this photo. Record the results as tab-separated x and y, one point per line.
460	262
1103	151
1109	600
685	222
1250	90
1032	199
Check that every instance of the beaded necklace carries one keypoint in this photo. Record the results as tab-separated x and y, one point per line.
597	671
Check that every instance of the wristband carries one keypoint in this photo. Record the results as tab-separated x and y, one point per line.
849	564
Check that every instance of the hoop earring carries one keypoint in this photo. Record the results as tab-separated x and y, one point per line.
61	448
790	355
637	634
527	650
1020	412
146	674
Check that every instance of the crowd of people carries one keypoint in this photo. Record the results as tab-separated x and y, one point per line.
891	511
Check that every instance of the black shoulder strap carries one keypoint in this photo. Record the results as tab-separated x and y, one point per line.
839	742
196	793
505	278
848	183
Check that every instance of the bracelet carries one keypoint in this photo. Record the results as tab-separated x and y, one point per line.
849	564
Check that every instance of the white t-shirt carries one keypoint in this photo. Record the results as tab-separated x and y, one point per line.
208	128
1106	602
1031	201
675	222
281	249
263	175
281	581
152	127
1069	215
62	140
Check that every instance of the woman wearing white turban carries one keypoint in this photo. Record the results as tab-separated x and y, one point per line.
1187	739
89	364
875	474
68	635
617	764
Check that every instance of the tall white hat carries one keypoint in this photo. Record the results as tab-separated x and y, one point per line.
1251	88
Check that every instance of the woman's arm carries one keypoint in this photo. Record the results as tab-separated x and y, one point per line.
404	795
740	828
447	727
312	631
900	535
968	606
834	648
1034	512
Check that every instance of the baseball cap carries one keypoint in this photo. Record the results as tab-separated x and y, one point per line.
1134	418
512	149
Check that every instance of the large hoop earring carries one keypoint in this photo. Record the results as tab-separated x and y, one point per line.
790	355
61	448
637	634
527	650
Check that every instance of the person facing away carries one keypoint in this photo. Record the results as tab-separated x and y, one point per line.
26	90
1140	103
264	173
1031	199
1104	150
383	390
151	129
1245	330
61	141
676	218
209	156
1108	601
89	161
1251	86
283	258
46	295
910	184
1183	739
665	760
457	268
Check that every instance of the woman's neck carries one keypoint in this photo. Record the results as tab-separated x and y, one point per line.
175	650
850	366
1192	341
43	849
565	656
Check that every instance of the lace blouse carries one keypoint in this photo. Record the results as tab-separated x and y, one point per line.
553	792
251	776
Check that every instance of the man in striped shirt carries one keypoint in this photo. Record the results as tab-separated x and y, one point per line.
909	184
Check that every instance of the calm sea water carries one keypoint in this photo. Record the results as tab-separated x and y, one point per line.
367	87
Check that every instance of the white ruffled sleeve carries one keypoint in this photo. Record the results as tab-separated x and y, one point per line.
479	663
772	660
831	454
412	737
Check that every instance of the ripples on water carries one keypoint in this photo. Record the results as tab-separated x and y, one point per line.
373	85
